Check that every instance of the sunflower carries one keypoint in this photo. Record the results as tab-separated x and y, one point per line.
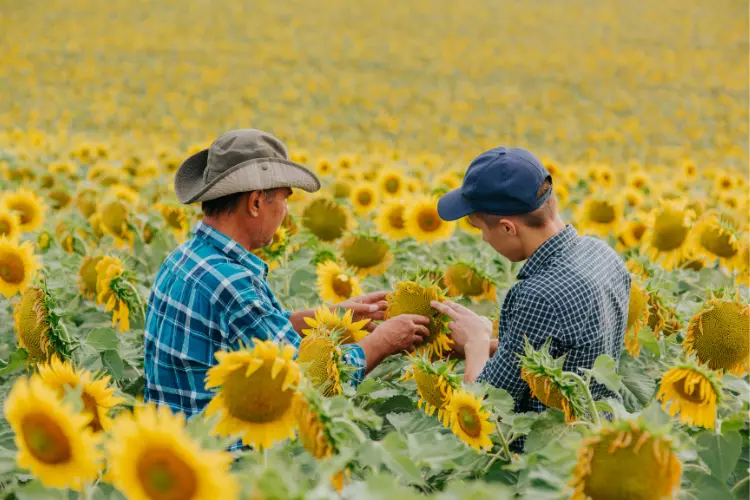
10	225
29	207
256	388
38	330
61	198
324	167
326	319
325	219
152	456
96	395
719	335
368	255
630	234
447	181
632	198
18	266
469	420
124	193
321	360
666	238
336	284
86	201
114	291
465	280
639	180
724	182
87	276
689	170
662	316
638	315
626	460
544	376
391	182
390	220
114	220
53	441
423	223
599	215
176	219
364	198
639	267
715	236
435	384
693	391
409	297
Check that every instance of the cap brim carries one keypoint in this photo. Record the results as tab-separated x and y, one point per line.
453	206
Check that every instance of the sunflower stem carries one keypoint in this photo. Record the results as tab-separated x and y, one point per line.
505	449
138	299
740	483
589	398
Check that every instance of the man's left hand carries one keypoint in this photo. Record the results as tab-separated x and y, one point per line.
370	306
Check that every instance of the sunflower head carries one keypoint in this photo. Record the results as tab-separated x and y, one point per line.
38	327
364	197
716	236
313	424
368	254
662	314
435	384
87	276
326	320
409	297
638	315
719	335
630	233
115	220
667	234
151	455
325	219
390	220
176	219
97	396
10	225
626	460
53	440
465	279
600	215
335	283
391	182
321	360
255	388
29	207
544	376
469	419
693	391
423	222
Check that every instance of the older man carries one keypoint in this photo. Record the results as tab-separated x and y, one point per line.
573	290
211	292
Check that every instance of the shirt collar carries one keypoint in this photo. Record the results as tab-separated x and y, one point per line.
230	248
547	250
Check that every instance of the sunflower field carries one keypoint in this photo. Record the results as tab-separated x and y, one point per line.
638	109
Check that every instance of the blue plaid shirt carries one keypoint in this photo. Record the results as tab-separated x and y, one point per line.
574	290
210	295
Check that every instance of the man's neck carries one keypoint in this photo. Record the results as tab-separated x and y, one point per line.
538	237
230	227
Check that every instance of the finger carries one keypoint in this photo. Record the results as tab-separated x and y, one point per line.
416	319
358	308
422	330
373	297
444	308
417	340
370	326
377	316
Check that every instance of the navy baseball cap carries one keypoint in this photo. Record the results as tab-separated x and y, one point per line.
501	181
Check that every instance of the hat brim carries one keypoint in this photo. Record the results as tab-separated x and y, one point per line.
453	206
252	175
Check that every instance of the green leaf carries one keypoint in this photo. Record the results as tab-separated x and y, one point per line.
703	486
34	490
720	452
550	426
72	397
604	371
500	399
17	359
737	385
394	405
103	339
637	387
647	339
112	361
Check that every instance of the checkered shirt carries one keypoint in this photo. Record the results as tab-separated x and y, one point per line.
210	295
574	290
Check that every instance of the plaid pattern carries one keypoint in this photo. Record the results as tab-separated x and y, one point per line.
574	290
210	295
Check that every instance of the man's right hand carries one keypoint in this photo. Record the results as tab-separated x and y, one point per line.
399	334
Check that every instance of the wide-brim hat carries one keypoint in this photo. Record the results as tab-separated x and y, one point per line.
240	161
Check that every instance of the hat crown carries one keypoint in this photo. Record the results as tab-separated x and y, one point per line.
238	146
501	171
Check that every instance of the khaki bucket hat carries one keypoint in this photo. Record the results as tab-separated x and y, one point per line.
240	161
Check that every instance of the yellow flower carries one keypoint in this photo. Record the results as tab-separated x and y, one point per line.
599	215
719	335
324	167
54	443
367	255
152	456
625	460
176	219
409	297
666	238
639	180
350	331
391	182
10	225
638	315
364	198
435	385
325	219
469	420
320	356
34	328
465	280
86	201
390	220
255	388
87	276
108	270
693	392
336	284
423	223
715	236
29	207
630	234
114	220
96	395
18	266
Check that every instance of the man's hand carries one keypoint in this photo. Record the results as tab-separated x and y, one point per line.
471	335
402	333
370	306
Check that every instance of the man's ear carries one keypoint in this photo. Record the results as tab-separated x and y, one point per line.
253	203
508	227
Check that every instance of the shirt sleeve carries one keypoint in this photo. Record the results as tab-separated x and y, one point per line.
533	318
